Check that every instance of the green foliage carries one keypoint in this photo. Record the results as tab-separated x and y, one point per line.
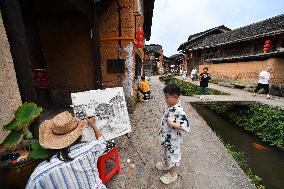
24	115
240	159
37	151
189	89
13	139
264	121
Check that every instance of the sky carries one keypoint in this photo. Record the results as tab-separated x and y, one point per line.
175	20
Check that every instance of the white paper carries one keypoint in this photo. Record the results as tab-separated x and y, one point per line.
108	106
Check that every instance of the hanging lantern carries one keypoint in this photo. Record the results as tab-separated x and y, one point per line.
267	45
139	44
268	41
140	38
139	32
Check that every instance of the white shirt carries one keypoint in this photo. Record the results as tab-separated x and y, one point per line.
264	77
81	173
193	72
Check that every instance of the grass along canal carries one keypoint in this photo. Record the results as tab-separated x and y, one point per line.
261	159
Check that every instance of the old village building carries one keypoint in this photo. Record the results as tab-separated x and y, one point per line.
65	46
153	63
238	54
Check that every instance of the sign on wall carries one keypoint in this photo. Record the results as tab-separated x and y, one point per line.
108	106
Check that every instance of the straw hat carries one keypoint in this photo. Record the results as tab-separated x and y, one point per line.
61	131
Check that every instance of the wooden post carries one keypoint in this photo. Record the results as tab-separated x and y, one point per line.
15	29
96	49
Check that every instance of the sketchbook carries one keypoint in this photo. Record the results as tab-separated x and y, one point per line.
108	106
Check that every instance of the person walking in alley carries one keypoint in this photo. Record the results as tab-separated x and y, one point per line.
72	164
204	78
263	82
193	74
184	74
174	124
144	88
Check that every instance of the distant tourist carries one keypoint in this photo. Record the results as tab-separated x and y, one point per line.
144	88
204	78
174	124
193	74
263	82
183	77
71	164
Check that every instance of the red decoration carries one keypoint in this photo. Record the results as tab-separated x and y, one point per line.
267	45
139	38
40	77
268	41
139	32
139	44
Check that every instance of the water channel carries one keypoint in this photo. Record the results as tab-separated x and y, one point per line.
264	160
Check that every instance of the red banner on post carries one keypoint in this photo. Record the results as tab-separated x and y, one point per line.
40	77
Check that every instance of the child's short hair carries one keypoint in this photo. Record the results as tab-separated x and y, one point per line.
205	68
143	78
172	89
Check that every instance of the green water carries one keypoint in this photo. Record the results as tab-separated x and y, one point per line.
267	164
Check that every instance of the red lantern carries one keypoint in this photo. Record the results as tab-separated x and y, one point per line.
268	41
267	45
139	44
140	38
265	49
139	32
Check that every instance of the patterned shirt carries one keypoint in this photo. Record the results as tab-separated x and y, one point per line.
168	134
80	173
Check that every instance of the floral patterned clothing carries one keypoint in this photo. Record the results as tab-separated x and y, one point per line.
170	137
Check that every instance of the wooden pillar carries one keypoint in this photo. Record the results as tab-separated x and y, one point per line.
96	50
13	21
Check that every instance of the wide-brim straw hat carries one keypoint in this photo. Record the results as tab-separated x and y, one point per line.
61	131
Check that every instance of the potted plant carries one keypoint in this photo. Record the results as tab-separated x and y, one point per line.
21	148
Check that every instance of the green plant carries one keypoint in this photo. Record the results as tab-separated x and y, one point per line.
189	89
264	121
19	130
240	159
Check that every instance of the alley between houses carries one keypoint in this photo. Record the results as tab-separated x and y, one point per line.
205	161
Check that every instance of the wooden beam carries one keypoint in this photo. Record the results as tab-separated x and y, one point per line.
15	29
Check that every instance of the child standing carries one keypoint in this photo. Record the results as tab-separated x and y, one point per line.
204	77
174	124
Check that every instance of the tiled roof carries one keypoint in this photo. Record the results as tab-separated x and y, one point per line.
152	48
268	27
201	35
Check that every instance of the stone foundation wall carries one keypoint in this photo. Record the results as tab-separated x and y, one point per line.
10	98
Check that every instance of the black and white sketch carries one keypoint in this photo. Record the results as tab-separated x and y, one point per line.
108	106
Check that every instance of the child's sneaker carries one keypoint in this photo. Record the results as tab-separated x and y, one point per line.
168	178
162	166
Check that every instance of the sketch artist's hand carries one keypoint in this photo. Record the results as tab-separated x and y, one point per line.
91	121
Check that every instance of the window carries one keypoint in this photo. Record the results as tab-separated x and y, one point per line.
115	65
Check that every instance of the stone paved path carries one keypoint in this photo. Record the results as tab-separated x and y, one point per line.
205	162
237	95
